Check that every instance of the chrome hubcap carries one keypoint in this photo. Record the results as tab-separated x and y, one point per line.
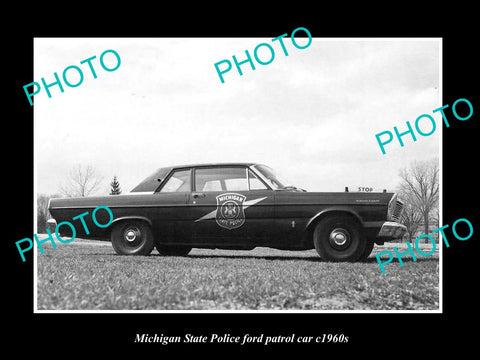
130	234
339	237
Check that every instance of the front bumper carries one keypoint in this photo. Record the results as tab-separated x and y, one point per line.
392	230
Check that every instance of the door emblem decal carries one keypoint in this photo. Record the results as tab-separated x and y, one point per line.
230	214
230	211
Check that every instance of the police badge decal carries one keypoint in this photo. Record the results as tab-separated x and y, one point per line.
230	214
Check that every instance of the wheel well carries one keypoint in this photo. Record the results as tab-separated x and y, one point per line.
311	226
127	218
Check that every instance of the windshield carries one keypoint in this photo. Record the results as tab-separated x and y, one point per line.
273	179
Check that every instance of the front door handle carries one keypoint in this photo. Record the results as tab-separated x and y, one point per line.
199	195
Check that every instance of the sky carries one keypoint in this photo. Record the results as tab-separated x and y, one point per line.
311	115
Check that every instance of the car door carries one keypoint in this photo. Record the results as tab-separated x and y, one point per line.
231	207
293	209
170	213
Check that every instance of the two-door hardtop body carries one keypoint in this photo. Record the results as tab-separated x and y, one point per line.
236	206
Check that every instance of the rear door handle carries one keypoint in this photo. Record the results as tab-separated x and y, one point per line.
199	195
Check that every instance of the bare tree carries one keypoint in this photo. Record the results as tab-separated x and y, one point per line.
82	181
421	187
411	217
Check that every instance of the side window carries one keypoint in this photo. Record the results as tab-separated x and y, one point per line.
178	182
212	185
221	179
255	182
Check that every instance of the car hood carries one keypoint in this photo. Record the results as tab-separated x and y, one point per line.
344	198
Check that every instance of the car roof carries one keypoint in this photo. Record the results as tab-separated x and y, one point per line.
212	164
150	183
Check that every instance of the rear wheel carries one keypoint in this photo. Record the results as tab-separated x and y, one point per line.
173	250
337	238
132	237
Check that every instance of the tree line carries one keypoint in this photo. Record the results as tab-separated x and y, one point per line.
419	189
82	181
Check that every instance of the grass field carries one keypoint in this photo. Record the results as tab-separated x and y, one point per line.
88	275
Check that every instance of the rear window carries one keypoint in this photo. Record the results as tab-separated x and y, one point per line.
151	182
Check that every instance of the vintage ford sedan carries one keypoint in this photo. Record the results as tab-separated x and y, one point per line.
237	206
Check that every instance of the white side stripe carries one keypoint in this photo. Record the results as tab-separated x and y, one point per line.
246	204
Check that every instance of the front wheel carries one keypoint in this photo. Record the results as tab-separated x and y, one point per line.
368	250
132	237
337	238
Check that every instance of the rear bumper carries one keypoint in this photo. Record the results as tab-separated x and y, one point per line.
51	225
391	230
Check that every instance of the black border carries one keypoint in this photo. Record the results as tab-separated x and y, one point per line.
371	333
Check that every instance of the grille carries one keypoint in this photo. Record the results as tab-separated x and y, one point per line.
397	209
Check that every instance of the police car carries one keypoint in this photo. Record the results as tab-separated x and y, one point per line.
238	206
